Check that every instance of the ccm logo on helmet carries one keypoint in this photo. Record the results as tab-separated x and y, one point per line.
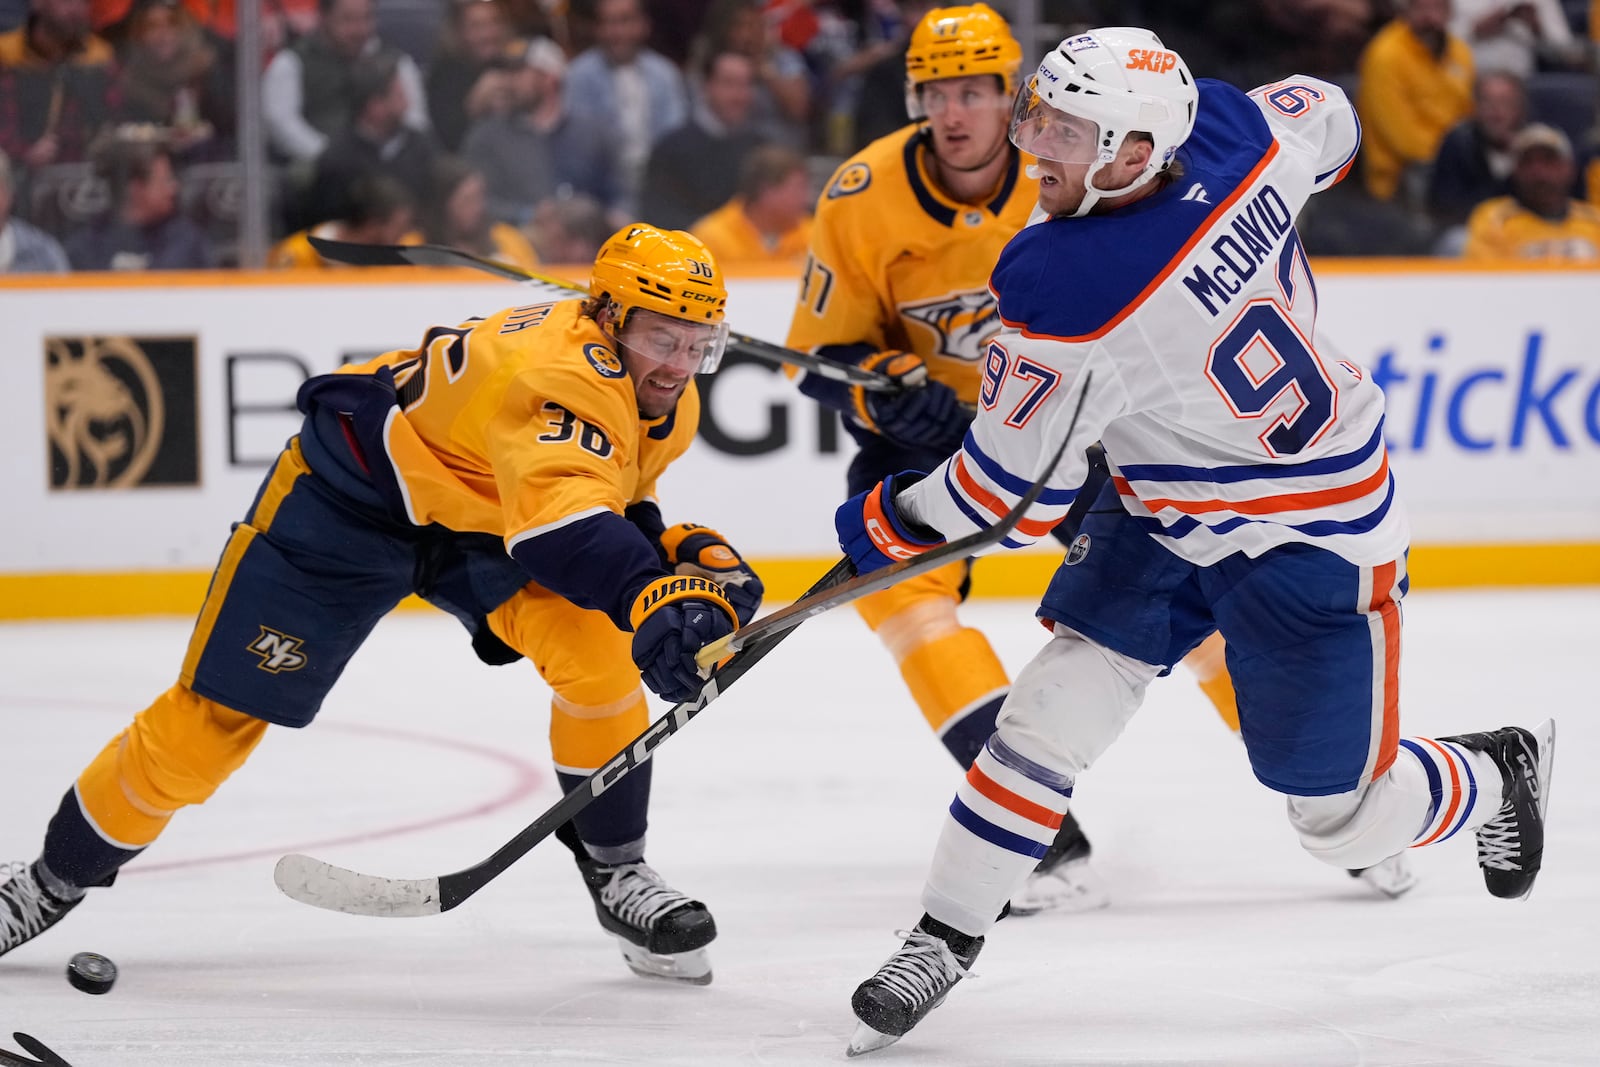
1151	60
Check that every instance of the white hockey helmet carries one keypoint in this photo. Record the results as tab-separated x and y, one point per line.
1094	89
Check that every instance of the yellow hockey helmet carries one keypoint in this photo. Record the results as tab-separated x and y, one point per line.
954	42
668	272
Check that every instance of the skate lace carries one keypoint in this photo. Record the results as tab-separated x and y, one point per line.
922	969
636	894
1499	843
27	910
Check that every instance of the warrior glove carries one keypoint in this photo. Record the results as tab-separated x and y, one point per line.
922	414
673	618
692	549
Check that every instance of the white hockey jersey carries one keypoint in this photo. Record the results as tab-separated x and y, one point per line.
1230	422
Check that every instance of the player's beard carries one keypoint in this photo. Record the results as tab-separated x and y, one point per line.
654	403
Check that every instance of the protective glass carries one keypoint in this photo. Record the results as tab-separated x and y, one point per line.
681	345
1049	133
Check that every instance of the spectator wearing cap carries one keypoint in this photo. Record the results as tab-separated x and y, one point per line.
378	141
542	149
1539	220
54	79
621	86
378	211
457	216
144	230
24	248
769	221
1474	161
307	91
695	168
471	76
1416	83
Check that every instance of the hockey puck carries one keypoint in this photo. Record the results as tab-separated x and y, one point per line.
92	973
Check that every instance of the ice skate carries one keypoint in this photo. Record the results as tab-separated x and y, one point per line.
1391	878
1063	881
1511	844
663	933
910	984
27	909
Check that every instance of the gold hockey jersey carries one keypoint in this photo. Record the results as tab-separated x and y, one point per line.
521	423
897	264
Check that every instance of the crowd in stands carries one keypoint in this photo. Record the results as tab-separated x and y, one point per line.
525	130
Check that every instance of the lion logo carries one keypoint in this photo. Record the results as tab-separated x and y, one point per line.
961	323
105	413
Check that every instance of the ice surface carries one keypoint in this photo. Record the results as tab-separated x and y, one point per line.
802	807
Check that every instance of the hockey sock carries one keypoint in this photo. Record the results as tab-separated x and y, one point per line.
1210	669
959	684
583	737
176	752
76	855
612	827
1003	818
1464	786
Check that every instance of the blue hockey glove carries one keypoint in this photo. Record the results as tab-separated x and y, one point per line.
925	414
873	534
693	549
673	618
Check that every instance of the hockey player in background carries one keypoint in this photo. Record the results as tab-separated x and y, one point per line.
505	471
897	281
1251	495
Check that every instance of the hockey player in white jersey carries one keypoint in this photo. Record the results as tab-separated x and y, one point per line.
1250	494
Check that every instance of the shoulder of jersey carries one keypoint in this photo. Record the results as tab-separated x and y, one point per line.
876	165
564	344
1107	262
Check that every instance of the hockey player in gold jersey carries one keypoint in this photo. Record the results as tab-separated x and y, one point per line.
505	471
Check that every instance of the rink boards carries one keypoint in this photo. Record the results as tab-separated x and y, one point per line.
141	413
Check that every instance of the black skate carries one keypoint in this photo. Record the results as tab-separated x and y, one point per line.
27	909
1511	844
1063	881
913	982
663	933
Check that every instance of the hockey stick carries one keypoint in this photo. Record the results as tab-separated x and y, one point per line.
786	618
363	255
323	885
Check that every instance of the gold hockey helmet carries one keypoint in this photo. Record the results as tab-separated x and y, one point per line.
667	272
954	42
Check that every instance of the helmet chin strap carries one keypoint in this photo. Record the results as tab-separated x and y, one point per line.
1092	195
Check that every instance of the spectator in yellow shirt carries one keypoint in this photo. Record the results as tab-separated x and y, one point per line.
1416	83
769	220
381	212
1539	220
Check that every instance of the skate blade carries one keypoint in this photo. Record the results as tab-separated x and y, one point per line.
1392	878
866	1040
691	968
1545	735
1072	887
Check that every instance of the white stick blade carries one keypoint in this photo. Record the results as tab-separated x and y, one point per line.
322	885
